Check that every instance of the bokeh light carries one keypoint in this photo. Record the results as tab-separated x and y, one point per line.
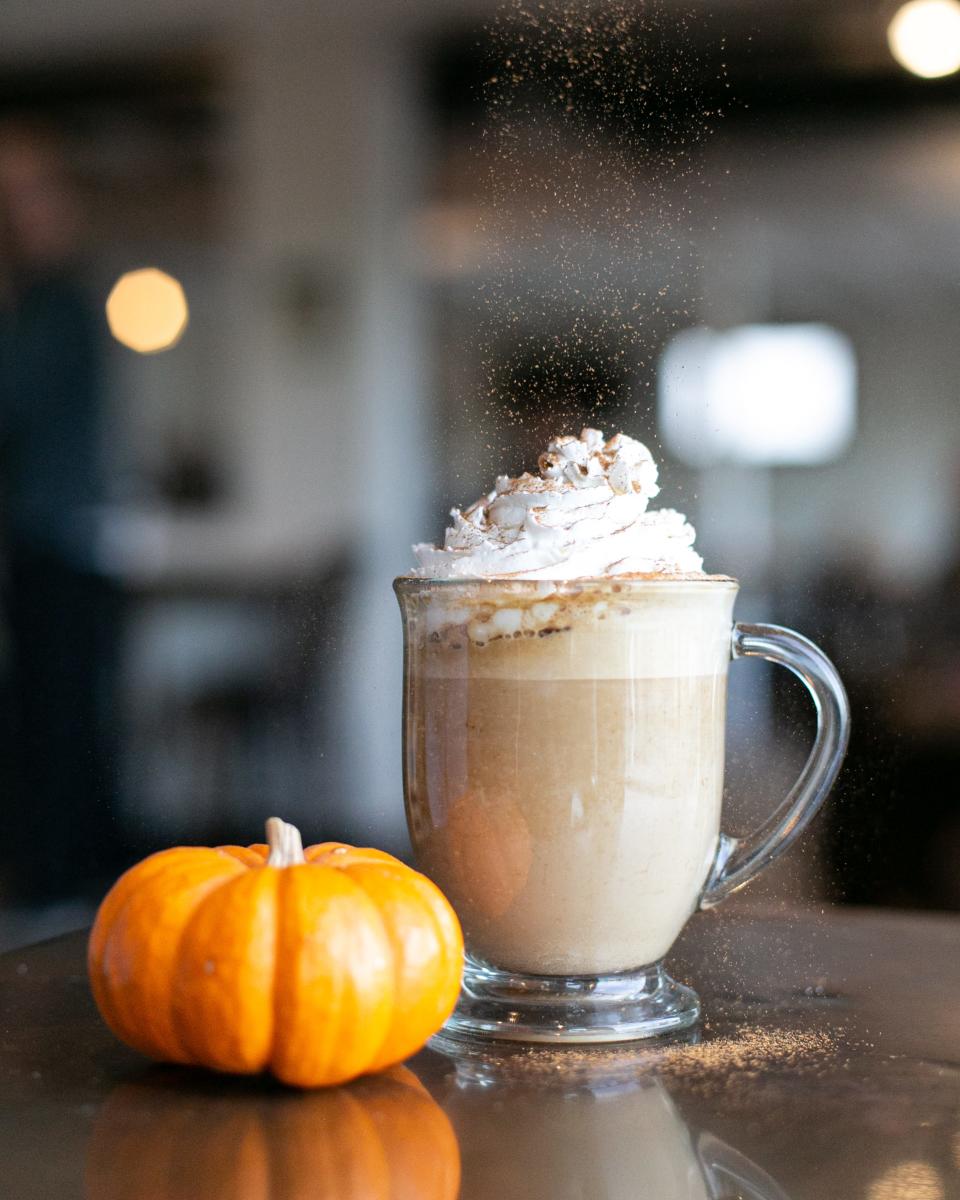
767	395
924	37
147	310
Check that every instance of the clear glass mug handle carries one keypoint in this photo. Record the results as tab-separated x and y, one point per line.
738	860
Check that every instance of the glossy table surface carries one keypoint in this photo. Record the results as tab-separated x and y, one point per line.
828	1065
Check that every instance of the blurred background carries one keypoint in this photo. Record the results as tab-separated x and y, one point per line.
279	286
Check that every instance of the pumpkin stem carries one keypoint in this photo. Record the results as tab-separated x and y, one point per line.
286	845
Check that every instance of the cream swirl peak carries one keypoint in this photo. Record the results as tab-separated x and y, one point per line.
584	516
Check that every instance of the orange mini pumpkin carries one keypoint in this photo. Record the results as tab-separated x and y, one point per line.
319	965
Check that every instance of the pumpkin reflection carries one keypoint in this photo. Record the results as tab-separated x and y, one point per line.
166	1136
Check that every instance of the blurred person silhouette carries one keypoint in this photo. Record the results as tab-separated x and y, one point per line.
60	614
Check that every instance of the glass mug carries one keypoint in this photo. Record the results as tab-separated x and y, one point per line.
563	776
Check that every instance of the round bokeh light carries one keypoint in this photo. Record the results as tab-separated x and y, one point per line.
924	37
147	310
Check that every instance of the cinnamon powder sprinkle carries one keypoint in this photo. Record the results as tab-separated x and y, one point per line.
748	1052
753	1048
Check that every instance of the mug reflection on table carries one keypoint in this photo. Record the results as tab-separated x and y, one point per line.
573	1131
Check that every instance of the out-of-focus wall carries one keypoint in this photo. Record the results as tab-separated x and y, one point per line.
854	225
312	314
335	417
335	358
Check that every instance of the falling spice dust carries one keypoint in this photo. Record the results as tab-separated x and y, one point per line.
594	197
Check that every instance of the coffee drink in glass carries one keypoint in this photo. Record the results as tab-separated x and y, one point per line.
564	705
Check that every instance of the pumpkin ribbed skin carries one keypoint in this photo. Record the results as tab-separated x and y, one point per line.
339	965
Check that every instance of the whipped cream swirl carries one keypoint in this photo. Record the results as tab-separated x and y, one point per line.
584	516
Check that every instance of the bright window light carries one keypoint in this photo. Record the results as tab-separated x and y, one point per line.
147	310
924	37
762	394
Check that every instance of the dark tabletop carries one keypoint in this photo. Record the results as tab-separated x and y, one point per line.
828	1065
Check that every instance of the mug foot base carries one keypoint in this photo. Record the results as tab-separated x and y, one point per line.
507	1006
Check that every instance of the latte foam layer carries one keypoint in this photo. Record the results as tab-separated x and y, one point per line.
605	630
